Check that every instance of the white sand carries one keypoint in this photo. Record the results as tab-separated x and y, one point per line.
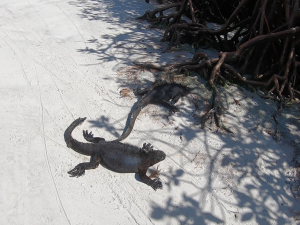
59	61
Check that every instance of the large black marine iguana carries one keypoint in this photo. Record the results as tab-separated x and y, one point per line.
166	95
115	156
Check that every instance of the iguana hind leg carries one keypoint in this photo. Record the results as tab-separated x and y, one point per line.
155	183
90	137
79	170
172	108
175	99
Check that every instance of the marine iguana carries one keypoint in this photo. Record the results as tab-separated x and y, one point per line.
115	156
165	94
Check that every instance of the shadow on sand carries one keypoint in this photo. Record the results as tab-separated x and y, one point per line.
211	177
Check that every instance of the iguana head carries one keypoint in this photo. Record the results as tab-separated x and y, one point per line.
156	156
185	90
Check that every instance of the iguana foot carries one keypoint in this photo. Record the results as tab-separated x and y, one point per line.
156	184
174	109
90	137
147	148
78	171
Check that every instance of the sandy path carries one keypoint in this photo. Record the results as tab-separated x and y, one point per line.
59	61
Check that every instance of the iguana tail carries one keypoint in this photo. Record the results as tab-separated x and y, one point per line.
82	148
132	117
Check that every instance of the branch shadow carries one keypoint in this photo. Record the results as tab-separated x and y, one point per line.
247	175
127	40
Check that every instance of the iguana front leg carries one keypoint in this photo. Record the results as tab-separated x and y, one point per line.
147	148
79	170
155	183
140	91
90	137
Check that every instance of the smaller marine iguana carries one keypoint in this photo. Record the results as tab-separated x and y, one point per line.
115	156
165	94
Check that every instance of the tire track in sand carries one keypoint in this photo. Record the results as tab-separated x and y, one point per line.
47	157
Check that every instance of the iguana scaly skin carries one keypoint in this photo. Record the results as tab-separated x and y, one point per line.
115	156
166	95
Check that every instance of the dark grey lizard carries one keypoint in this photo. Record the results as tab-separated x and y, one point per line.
115	156
166	95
